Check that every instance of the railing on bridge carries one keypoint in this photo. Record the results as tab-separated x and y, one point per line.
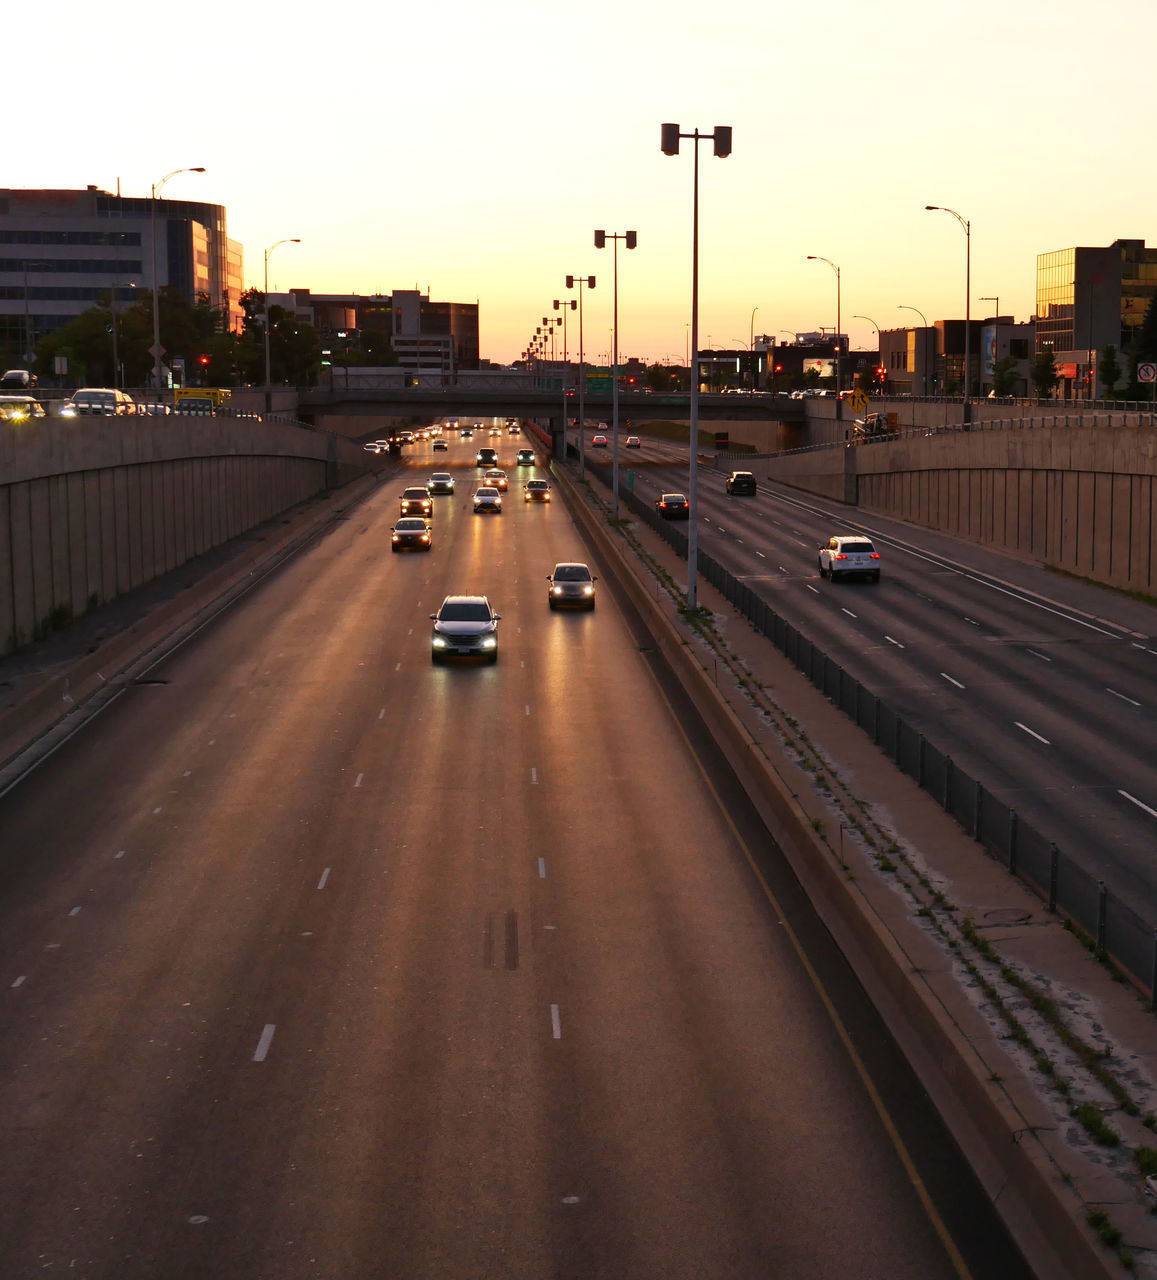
1113	928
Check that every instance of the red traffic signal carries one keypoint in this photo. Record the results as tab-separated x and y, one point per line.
204	360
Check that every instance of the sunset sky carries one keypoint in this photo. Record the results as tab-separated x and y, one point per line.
472	149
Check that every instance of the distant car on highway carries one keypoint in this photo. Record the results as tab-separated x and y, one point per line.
536	491
849	555
15	409
599	442
17	380
440	482
486	458
633	442
371	446
415	502
741	483
411	534
673	506
525	458
103	401
440	445
487	499
465	627
496	477
571	584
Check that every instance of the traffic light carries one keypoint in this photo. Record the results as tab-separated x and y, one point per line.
204	360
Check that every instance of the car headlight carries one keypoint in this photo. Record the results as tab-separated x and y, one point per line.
425	537
489	642
395	538
556	591
588	591
439	643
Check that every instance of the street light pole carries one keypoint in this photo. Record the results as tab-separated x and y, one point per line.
967	225
581	282
268	373
751	348
815	257
29	353
879	350
900	306
158	351
669	145
630	238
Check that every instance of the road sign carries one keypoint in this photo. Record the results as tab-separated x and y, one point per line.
1147	372
859	400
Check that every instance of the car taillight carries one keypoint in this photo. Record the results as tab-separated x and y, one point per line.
662	504
839	556
875	555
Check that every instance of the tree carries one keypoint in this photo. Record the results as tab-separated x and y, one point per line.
1004	377
1044	373
1109	369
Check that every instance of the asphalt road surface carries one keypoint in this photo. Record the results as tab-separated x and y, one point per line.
319	960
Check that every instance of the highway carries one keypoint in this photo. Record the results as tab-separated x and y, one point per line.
1037	684
319	960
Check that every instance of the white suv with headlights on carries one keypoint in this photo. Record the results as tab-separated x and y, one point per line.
465	627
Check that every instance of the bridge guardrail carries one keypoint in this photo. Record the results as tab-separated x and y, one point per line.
1113	928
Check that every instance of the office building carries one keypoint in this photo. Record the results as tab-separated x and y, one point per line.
1088	298
63	252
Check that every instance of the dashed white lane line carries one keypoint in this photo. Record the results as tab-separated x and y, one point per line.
382	714
527	709
897	643
555	1022
1041	656
761	555
265	1041
1133	800
157	809
542	868
410	632
799	543
740	541
847	611
75	911
20	981
811	588
1123	698
358	781
398	665
951	681
324	877
1031	733
188	773
534	775
972	622
120	853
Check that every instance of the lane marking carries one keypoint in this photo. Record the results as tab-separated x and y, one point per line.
75	911
1031	733
972	622
1133	800
324	877
381	714
542	868
527	709
398	665
847	611
265	1041
360	776
761	555
799	543
555	1022
811	588
895	642
119	854
188	772
950	680
1041	656
1122	697
534	775
20	981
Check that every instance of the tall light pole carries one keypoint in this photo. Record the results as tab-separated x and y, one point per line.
29	353
268	373
157	350
967	225
879	350
630	239
751	348
567	304
900	306
815	257
669	144
580	282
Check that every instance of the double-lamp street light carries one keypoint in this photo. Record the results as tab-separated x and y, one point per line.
581	283
630	239
157	350
669	145
268	367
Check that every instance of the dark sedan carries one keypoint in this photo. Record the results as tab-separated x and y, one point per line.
673	506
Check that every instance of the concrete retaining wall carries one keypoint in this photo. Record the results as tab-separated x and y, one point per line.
1079	498
92	507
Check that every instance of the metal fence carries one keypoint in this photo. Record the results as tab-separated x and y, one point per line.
1057	878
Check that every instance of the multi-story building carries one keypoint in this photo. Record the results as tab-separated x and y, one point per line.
1088	298
427	337
63	252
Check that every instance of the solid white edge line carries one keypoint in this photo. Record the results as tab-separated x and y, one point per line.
811	588
555	1022
847	611
950	680
1041	656
1031	733
1123	698
895	642
265	1041
1133	800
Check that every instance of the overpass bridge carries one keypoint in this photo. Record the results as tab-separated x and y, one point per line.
520	400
